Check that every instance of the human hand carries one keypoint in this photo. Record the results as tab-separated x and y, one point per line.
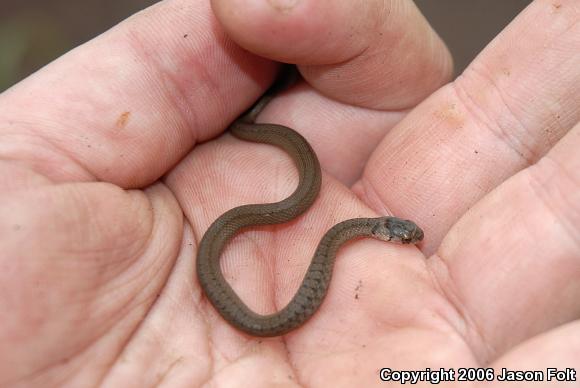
97	279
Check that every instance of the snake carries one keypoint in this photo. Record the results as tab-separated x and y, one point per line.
315	283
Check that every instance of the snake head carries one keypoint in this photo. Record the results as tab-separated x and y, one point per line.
397	230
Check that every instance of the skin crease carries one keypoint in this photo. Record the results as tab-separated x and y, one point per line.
112	168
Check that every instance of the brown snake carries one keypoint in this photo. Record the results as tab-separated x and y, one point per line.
314	286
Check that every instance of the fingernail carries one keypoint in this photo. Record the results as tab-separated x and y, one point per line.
284	6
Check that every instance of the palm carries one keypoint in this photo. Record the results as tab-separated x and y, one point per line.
106	291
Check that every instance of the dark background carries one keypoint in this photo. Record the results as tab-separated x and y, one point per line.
34	32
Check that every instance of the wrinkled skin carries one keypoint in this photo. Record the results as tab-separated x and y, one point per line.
112	167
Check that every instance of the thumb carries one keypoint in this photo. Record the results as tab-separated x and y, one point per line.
357	52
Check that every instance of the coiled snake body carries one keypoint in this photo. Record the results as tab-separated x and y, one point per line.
314	286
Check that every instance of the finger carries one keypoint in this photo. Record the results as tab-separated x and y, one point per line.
511	263
378	54
128	105
556	349
74	253
514	102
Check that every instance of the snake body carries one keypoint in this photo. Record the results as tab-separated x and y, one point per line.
315	284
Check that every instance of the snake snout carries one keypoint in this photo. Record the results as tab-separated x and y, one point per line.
405	231
412	234
417	235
